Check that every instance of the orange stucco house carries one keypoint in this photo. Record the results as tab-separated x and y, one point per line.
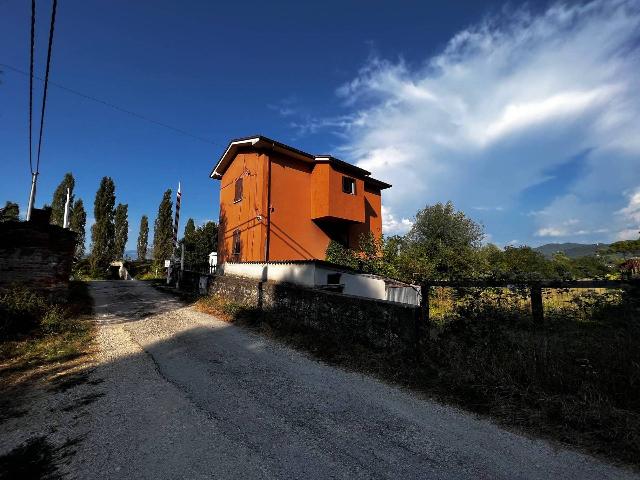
278	203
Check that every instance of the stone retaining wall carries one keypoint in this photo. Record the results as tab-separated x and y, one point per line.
376	324
37	255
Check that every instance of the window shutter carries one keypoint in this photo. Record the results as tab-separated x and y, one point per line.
238	192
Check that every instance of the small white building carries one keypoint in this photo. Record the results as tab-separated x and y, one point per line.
326	275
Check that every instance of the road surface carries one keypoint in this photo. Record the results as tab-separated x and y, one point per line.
185	395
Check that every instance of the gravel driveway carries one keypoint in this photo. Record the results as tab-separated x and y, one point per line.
189	396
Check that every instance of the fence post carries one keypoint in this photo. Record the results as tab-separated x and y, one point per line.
424	302
537	308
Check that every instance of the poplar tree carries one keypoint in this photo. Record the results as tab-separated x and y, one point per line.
60	199
78	223
163	231
143	238
121	230
102	231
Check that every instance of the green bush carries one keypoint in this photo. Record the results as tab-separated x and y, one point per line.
21	310
53	320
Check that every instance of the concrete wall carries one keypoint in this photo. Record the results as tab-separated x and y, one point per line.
316	275
38	255
343	319
297	273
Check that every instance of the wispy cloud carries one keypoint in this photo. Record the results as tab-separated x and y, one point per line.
506	101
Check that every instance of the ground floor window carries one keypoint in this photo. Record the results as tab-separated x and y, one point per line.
236	243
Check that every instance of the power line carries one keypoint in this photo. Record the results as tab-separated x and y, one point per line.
33	24
46	80
116	107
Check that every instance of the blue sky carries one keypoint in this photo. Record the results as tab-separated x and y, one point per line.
525	116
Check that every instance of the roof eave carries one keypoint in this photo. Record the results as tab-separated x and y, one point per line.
257	141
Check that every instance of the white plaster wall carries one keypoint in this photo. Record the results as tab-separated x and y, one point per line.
299	274
310	275
354	284
363	286
409	295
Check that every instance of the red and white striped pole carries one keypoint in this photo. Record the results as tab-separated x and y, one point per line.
177	219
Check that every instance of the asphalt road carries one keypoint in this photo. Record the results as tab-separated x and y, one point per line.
184	395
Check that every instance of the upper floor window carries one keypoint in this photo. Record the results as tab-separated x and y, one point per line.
238	193
349	185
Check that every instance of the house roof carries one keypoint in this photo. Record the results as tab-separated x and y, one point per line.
262	142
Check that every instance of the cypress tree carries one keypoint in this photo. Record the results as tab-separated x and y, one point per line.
60	199
78	223
163	231
102	232
143	238
121	228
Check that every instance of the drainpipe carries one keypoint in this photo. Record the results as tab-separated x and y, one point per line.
266	246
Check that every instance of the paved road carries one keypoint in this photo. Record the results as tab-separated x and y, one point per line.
189	396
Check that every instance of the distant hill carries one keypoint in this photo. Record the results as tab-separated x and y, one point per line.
571	250
133	254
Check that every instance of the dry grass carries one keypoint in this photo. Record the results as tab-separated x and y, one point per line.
444	301
63	333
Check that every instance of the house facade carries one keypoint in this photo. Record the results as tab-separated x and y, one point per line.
278	203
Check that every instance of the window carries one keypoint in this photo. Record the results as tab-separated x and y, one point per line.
236	243
333	279
349	185
238	194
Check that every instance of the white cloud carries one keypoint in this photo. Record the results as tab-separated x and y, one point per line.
632	210
393	226
505	102
630	217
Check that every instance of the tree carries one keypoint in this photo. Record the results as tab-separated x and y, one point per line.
78	223
590	266
143	238
443	243
199	242
189	242
60	199
121	230
625	248
373	255
102	232
189	228
10	212
163	230
206	241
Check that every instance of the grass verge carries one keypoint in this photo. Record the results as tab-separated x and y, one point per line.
53	332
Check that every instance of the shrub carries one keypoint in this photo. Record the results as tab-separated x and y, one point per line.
21	310
53	320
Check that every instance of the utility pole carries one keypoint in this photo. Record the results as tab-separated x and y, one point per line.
65	222
32	195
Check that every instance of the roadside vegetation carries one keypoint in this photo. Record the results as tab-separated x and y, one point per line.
36	332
